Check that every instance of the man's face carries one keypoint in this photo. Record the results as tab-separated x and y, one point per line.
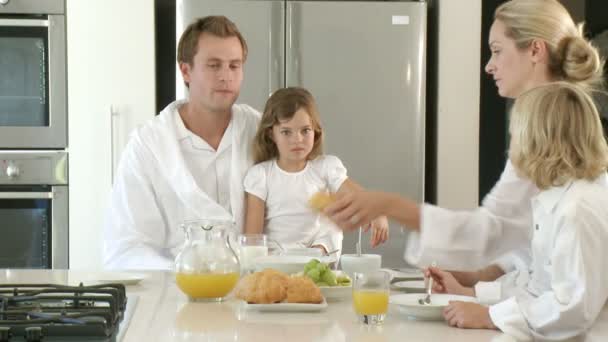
216	74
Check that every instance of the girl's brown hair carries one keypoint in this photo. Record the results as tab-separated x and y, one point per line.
281	107
556	135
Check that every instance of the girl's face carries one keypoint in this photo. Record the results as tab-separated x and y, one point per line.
294	138
512	68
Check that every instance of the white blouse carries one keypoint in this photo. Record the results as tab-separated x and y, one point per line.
568	283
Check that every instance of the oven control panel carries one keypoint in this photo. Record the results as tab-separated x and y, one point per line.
33	167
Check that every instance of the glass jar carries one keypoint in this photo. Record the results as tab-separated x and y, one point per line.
249	247
206	268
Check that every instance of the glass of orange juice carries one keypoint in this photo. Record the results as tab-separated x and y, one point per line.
370	296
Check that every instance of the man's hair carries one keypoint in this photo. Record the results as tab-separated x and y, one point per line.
557	136
219	26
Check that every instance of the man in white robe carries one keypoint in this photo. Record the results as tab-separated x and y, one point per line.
189	162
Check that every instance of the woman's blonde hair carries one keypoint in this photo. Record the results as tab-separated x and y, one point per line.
556	135
572	58
281	107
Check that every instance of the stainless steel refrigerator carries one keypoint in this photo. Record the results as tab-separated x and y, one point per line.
364	61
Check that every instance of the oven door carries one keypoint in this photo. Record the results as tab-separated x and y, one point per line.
33	108
33	227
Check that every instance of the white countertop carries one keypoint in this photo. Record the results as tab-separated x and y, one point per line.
163	313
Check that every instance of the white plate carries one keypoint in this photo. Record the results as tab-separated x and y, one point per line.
125	278
286	307
405	273
410	285
408	305
336	293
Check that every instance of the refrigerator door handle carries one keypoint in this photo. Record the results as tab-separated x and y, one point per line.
275	55
292	67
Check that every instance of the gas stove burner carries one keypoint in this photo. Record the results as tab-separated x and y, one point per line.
42	312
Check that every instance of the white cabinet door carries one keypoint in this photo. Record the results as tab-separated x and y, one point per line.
111	54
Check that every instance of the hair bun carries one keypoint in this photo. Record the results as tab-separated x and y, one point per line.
580	61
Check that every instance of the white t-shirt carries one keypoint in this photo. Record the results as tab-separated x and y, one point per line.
289	219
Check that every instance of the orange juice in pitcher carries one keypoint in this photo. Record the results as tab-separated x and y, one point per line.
206	268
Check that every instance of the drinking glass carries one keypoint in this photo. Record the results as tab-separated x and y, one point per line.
251	246
370	296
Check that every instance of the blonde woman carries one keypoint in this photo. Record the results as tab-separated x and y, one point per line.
533	43
557	142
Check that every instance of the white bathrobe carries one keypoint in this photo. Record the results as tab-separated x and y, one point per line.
154	192
470	239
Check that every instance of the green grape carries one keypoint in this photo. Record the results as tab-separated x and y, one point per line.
329	277
343	281
310	265
314	274
313	262
322	267
322	284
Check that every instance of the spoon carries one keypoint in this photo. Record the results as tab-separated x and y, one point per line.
427	299
358	245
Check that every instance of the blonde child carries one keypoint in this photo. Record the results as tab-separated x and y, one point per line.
557	142
290	168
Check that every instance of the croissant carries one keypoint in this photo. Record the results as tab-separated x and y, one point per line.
266	287
271	286
303	290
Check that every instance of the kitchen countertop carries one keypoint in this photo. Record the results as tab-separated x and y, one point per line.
163	313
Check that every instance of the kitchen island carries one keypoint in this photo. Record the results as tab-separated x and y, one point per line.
159	311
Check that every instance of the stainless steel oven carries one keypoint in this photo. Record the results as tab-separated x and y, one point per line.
33	101
33	209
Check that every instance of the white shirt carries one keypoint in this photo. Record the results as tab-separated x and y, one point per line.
159	184
289	219
568	282
467	240
210	168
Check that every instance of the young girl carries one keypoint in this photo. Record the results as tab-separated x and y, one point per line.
557	142
290	168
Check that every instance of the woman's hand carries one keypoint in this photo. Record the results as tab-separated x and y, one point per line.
380	231
468	315
445	282
355	209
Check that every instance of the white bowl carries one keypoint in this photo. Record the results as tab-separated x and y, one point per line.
408	304
351	263
311	252
285	263
337	293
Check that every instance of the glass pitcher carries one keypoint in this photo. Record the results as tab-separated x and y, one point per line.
206	268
